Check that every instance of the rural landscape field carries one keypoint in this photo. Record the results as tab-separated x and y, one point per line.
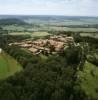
48	50
8	66
48	53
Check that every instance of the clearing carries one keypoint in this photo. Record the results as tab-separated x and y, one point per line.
8	66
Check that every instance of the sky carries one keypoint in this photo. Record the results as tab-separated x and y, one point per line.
49	7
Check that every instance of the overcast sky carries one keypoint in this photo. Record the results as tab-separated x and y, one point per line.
50	7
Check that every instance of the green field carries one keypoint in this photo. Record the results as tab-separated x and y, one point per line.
39	34
20	33
13	28
8	66
88	79
32	34
94	35
74	29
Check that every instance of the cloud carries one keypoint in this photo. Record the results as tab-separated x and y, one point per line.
52	7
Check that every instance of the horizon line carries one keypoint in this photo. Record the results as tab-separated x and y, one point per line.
45	15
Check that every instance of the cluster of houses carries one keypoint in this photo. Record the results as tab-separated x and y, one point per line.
54	43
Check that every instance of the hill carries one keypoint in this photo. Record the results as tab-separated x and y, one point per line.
11	21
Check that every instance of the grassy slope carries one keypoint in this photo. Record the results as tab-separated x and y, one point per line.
8	66
89	80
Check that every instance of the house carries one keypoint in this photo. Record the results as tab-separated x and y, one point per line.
33	50
28	42
26	45
69	39
56	44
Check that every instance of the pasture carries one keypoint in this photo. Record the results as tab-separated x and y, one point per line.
39	34
32	34
13	28
8	66
19	33
95	35
73	29
88	79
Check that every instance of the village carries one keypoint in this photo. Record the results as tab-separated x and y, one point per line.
53	44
